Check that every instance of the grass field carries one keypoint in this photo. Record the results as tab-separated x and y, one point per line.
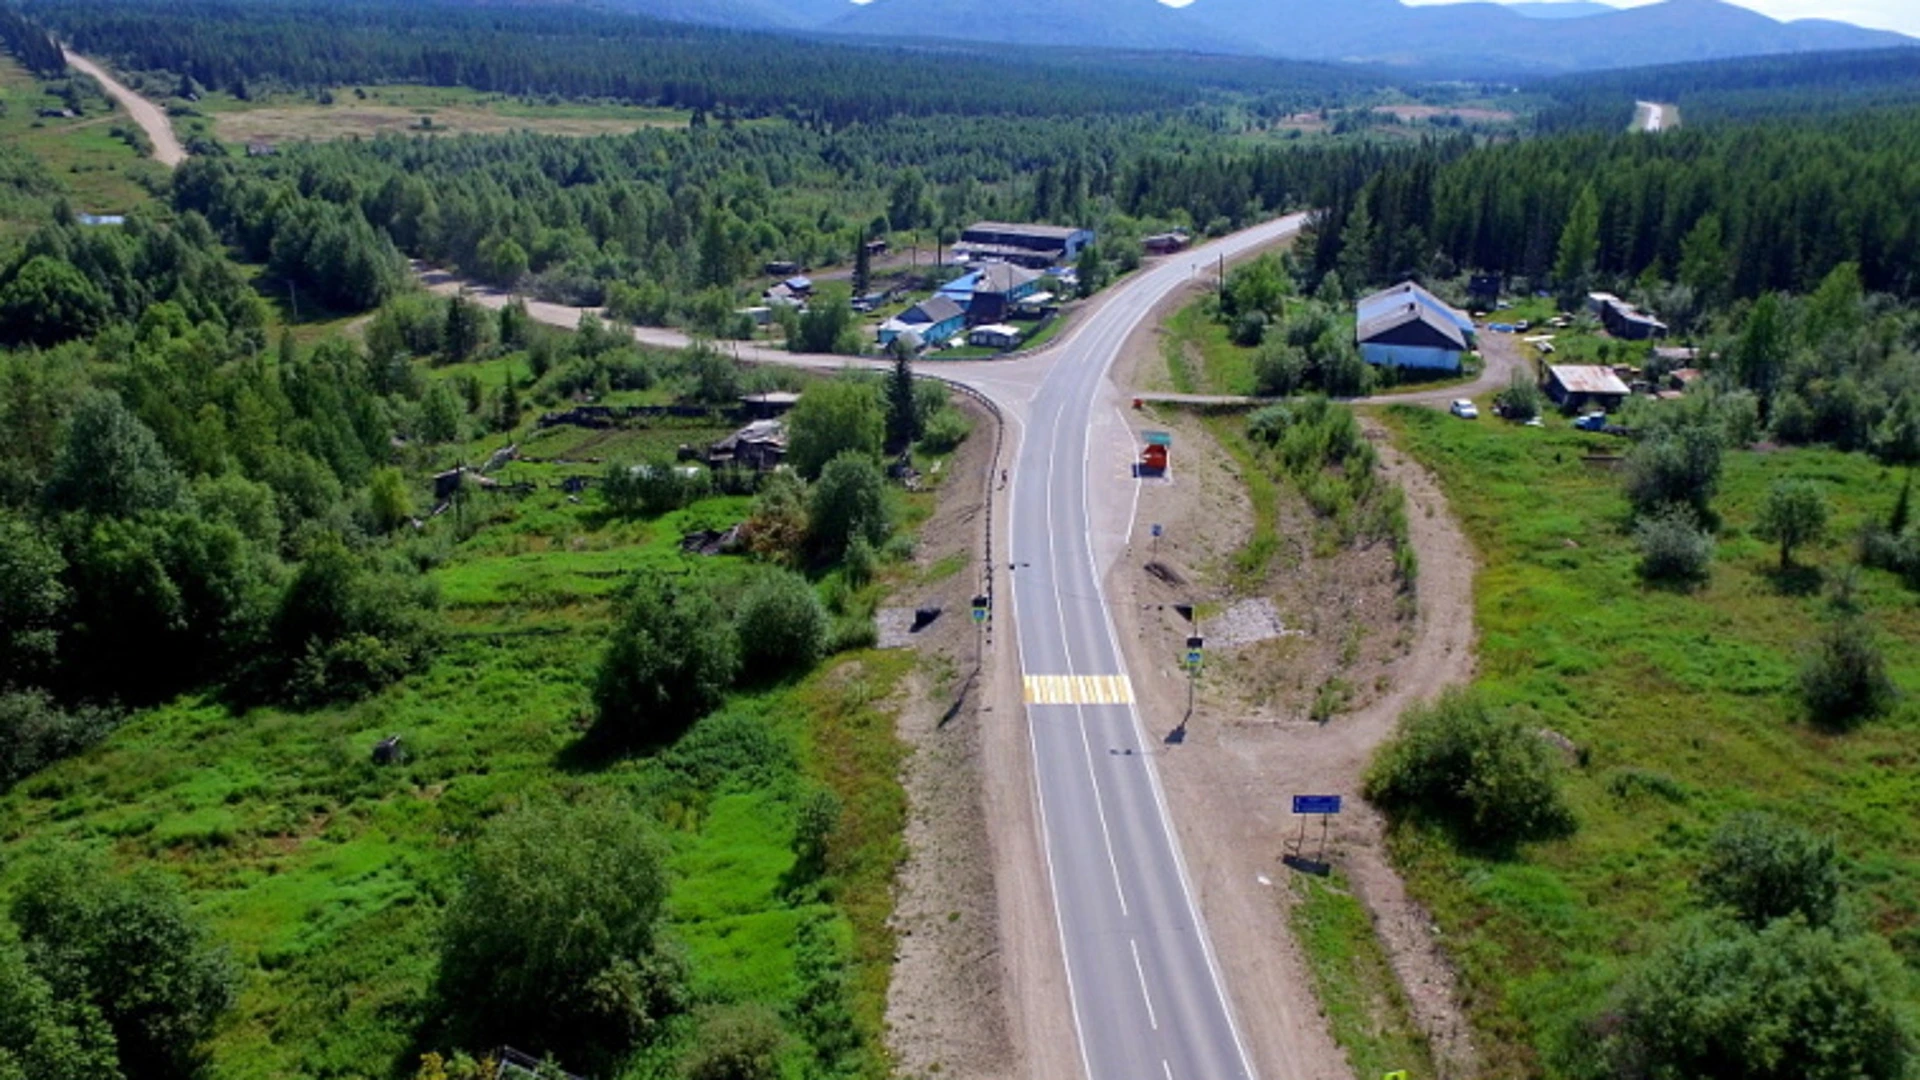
84	159
326	874
1682	705
406	109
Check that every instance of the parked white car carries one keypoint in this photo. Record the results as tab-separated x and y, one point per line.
1466	410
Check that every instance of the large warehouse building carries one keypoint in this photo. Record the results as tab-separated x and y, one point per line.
1036	247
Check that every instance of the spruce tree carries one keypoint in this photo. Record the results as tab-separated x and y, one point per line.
903	422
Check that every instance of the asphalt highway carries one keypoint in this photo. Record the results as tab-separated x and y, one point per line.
1147	996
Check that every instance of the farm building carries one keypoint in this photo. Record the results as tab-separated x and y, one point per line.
994	336
761	445
1408	327
1033	246
1584	386
769	406
1623	320
1166	243
933	321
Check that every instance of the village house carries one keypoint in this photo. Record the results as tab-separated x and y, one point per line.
1410	328
1582	386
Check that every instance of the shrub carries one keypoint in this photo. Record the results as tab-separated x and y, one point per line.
130	949
345	628
736	1043
1845	680
669	662
1279	370
1681	467
552	942
44	1035
1789	1002
849	501
1521	400
944	431
35	732
1763	869
833	419
1795	513
776	530
1673	546
782	627
656	486
1480	773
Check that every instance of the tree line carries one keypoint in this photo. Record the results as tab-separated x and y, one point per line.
1731	212
577	52
1739	90
662	225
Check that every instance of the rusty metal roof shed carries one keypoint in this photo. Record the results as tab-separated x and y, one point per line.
1589	379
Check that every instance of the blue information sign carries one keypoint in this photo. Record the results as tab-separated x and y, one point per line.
1157	531
979	614
1193	658
1316	804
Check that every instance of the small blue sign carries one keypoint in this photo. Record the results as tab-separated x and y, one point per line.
1157	531
979	614
1193	658
1316	804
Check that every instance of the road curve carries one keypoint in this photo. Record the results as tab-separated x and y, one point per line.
166	145
1147	996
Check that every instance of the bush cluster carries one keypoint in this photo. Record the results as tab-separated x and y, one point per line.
1673	546
1465	765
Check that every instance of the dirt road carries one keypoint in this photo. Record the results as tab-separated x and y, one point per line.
166	146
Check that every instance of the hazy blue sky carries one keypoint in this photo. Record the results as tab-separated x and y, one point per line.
1901	15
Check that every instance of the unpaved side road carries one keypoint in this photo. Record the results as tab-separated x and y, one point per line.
166	145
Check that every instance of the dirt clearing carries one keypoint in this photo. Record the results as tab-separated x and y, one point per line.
324	123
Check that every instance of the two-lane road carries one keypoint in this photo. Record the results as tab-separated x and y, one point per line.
1147	996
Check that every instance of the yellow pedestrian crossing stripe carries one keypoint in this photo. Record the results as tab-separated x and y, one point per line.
1079	690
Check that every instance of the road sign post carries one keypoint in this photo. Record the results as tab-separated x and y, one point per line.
1157	530
982	607
1196	647
1324	806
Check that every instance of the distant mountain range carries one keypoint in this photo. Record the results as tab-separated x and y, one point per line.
1467	38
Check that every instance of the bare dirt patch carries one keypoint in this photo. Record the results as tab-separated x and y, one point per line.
1407	114
1251	743
324	123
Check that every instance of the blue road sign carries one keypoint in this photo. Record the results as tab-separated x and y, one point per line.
979	614
1193	658
1158	531
1316	804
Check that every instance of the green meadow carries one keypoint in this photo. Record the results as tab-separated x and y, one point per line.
325	874
1682	706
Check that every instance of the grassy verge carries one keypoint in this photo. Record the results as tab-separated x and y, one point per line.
1365	1006
81	157
1682	704
1250	563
